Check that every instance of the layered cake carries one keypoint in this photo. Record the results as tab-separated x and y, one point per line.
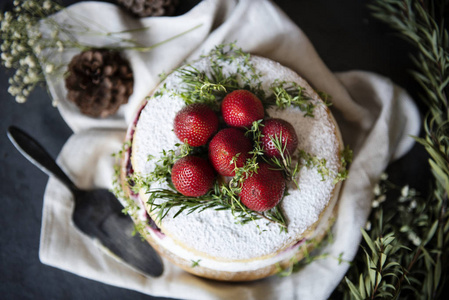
246	188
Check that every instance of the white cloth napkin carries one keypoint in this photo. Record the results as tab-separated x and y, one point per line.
376	118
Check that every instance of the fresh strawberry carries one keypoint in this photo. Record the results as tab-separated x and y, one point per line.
226	144
241	108
195	124
263	190
193	176
282	130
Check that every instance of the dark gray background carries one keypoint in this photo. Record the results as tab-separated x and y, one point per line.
343	33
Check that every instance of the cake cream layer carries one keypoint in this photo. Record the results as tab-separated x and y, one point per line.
190	257
215	234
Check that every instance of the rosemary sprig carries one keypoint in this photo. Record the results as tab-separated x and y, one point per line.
211	87
291	166
130	208
202	88
417	227
162	170
312	161
195	263
380	268
345	159
222	197
291	94
311	250
284	162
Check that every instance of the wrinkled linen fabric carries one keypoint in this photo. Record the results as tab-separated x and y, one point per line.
375	116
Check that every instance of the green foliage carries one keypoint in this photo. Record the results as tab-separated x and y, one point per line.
346	159
291	166
310	256
211	87
130	208
284	162
195	263
291	94
403	248
415	229
221	197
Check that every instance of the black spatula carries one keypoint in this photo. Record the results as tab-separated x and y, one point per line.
97	213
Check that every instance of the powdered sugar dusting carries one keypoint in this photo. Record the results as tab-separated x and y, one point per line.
215	233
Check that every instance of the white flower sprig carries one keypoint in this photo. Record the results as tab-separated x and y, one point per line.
27	49
20	48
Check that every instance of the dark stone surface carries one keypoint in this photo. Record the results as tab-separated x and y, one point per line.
343	33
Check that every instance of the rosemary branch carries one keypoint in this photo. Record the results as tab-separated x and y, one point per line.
220	198
418	227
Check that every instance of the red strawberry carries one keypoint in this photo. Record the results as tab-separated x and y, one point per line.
281	129
195	124
264	189
241	108
192	176
226	144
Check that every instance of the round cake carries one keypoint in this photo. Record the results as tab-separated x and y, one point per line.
215	235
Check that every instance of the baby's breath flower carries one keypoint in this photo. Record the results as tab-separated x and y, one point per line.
37	49
12	90
8	16
5	25
24	45
46	5
368	226
29	61
33	76
60	46
20	48
31	42
414	238
21	99
405	191
49	68
22	41
55	34
382	198
376	190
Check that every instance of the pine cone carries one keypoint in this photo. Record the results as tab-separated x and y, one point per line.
146	8
99	82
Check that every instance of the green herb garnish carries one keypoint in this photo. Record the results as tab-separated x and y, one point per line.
288	94
211	87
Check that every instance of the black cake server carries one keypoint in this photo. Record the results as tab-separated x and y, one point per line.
97	213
